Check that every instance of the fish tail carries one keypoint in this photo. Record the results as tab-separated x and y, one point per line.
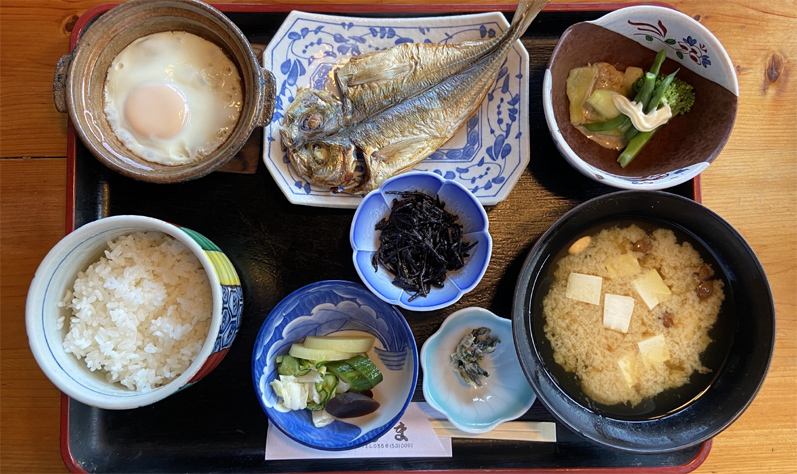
526	12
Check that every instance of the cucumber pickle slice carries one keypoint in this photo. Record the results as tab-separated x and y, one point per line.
358	371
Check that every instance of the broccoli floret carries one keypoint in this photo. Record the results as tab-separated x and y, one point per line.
680	96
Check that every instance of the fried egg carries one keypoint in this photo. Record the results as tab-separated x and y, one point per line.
172	97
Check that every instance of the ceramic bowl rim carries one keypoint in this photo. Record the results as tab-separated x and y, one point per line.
76	94
41	348
531	369
443	182
450	322
642	183
413	349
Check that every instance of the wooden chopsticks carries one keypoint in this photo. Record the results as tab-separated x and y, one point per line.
539	431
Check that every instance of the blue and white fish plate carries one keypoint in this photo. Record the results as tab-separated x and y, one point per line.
487	155
340	308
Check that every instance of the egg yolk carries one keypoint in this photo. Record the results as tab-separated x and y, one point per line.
158	110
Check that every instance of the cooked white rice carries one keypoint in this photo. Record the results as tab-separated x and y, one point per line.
140	314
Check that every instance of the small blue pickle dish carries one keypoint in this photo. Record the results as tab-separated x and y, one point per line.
340	308
459	201
504	395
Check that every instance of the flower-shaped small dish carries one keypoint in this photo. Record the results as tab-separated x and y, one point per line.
487	155
632	36
340	308
458	201
504	395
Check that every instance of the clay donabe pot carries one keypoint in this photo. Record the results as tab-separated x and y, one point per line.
80	79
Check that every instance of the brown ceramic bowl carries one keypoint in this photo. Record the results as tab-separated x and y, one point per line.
80	78
632	36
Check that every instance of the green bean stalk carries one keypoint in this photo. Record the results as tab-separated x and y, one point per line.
676	93
656	101
642	96
653	90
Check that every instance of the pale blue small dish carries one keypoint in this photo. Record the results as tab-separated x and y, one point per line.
505	395
459	201
339	307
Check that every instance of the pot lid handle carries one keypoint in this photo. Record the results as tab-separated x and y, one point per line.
267	84
59	82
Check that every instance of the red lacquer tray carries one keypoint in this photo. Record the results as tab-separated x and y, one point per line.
217	425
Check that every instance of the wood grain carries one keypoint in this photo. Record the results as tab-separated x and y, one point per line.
753	184
31	221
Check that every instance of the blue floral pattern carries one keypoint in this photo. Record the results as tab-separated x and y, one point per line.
232	306
487	155
328	307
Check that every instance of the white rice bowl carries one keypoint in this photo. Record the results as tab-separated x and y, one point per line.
48	318
141	313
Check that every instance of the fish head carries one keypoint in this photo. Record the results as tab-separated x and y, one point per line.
325	162
313	114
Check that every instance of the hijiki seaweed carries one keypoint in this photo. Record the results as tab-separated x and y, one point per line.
420	242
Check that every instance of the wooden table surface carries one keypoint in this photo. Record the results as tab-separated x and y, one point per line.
752	184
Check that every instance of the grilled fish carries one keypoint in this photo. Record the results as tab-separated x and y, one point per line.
398	106
375	81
